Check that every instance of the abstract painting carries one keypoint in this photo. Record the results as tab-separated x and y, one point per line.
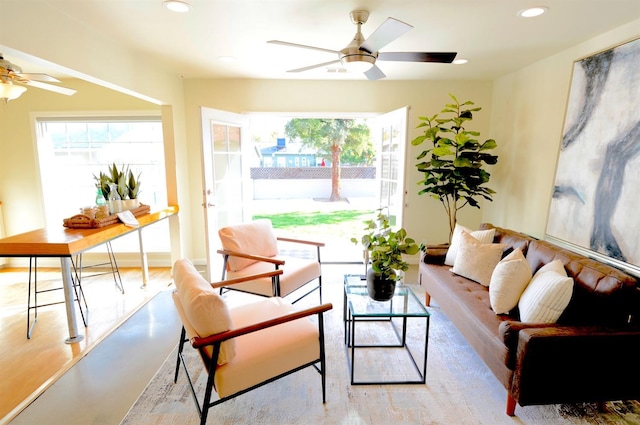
596	199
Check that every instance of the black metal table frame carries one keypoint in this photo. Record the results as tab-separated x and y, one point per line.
350	335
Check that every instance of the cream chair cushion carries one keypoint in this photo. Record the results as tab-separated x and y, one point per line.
268	352
296	270
255	238
205	312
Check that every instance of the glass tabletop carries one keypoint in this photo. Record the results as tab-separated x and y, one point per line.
404	303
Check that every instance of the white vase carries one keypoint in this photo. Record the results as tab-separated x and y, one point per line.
130	204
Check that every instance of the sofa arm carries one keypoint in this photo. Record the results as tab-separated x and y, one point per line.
434	254
564	364
509	331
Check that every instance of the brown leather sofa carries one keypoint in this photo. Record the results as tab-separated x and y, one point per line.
591	354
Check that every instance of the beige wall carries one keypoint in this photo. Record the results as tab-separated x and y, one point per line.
37	31
425	217
523	111
19	170
527	119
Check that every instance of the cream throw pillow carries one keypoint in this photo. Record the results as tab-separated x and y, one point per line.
547	295
205	310
483	236
509	279
476	260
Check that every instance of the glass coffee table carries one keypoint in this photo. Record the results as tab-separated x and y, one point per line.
359	308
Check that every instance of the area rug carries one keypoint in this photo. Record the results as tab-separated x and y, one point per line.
459	388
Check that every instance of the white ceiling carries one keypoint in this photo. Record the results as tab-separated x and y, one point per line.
486	32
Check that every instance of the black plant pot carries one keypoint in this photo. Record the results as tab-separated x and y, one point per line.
379	287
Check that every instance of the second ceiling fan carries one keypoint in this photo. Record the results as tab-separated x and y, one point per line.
362	54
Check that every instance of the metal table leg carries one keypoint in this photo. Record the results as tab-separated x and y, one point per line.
67	283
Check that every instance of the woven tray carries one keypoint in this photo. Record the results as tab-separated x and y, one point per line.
81	221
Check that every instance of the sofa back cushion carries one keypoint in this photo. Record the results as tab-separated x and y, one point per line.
602	294
509	238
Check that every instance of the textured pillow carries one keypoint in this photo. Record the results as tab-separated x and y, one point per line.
476	260
508	280
483	236
547	295
255	238
205	310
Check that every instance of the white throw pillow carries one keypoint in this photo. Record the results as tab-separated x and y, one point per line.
509	279
482	236
547	295
476	260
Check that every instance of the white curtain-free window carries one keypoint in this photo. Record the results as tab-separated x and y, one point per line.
72	150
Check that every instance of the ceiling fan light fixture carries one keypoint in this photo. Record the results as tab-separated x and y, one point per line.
532	12
10	91
177	6
460	61
358	62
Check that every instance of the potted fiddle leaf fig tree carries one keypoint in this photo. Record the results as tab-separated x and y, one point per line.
384	248
453	166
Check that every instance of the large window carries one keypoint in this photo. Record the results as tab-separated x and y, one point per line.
72	150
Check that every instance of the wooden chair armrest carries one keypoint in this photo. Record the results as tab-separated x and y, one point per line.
198	342
247	278
314	243
274	261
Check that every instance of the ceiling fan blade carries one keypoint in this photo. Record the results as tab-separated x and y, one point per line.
442	57
319	65
38	77
387	32
51	87
374	73
302	46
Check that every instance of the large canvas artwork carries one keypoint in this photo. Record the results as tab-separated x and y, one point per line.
596	198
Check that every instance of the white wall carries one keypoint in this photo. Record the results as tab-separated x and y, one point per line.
311	188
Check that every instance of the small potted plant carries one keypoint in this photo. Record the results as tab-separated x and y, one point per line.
384	249
120	188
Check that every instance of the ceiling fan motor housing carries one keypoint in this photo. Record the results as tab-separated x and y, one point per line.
352	53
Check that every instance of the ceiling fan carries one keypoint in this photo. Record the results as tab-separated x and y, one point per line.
12	78
360	55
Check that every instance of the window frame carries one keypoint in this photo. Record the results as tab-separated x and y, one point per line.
159	233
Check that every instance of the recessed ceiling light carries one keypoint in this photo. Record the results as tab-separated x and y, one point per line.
226	58
177	6
460	61
533	11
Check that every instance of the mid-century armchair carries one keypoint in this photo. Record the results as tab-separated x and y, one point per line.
252	248
247	346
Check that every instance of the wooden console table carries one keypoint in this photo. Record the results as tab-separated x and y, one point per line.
64	243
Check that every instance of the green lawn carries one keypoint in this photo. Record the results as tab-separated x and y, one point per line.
341	223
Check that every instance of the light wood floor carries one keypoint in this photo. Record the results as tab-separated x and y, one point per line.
29	366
